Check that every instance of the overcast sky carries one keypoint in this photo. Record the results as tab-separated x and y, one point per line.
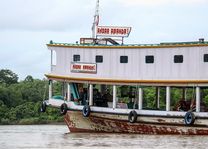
26	26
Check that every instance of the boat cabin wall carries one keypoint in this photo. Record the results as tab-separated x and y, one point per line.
175	63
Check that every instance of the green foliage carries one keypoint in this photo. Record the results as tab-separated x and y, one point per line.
3	109
8	77
9	96
29	78
33	90
57	86
20	101
149	98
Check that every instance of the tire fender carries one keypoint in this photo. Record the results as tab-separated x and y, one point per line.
132	117
86	111
189	118
63	109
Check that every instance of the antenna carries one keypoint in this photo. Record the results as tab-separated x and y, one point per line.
96	20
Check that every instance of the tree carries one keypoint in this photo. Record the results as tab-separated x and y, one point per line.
10	95
8	77
29	78
3	109
33	91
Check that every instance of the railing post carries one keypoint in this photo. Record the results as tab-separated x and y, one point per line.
91	95
140	98
198	99
158	97
68	92
168	98
50	92
114	96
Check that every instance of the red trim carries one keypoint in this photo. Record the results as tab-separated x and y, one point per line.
105	125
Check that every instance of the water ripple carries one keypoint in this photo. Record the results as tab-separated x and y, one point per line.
57	137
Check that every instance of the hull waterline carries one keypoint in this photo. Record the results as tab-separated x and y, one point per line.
108	123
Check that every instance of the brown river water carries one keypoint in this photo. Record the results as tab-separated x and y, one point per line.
58	137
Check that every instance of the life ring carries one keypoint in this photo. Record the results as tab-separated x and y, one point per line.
189	118
63	109
43	107
86	111
132	116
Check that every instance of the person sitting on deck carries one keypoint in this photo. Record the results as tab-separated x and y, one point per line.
107	97
132	98
97	98
83	96
182	105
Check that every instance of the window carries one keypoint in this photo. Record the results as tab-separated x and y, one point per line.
123	59
53	58
205	57
178	59
149	59
76	58
99	59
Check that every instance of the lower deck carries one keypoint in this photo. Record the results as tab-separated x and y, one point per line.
131	108
131	96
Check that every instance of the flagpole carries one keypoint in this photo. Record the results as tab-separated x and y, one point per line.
96	21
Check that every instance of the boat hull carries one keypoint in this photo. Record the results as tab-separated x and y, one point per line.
116	123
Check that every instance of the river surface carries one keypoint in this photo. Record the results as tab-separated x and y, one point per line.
58	137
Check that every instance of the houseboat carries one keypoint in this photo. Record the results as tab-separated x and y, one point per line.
109	86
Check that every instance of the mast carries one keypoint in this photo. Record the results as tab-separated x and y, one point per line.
96	20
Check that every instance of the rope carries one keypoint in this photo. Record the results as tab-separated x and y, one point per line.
44	95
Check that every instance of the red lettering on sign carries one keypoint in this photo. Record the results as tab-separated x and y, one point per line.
87	67
76	66
119	31
103	30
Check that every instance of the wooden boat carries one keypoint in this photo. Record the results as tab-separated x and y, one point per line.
76	68
121	88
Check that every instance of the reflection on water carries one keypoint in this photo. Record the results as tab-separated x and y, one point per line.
57	136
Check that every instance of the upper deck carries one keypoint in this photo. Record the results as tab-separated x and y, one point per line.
199	43
175	63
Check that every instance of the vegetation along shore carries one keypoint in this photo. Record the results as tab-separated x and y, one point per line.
20	100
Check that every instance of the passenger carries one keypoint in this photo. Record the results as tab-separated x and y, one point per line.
97	98
132	92
132	95
130	104
85	99
107	97
182	106
83	96
72	97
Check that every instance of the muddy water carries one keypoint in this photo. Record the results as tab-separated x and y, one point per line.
57	137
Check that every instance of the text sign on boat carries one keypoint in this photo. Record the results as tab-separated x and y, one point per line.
113	31
83	67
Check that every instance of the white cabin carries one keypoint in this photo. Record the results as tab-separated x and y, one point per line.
126	70
177	63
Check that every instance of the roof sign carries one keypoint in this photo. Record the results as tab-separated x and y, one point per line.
113	31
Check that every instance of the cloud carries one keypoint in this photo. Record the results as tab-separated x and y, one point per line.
44	14
160	2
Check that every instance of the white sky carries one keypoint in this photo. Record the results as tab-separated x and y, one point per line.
26	26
